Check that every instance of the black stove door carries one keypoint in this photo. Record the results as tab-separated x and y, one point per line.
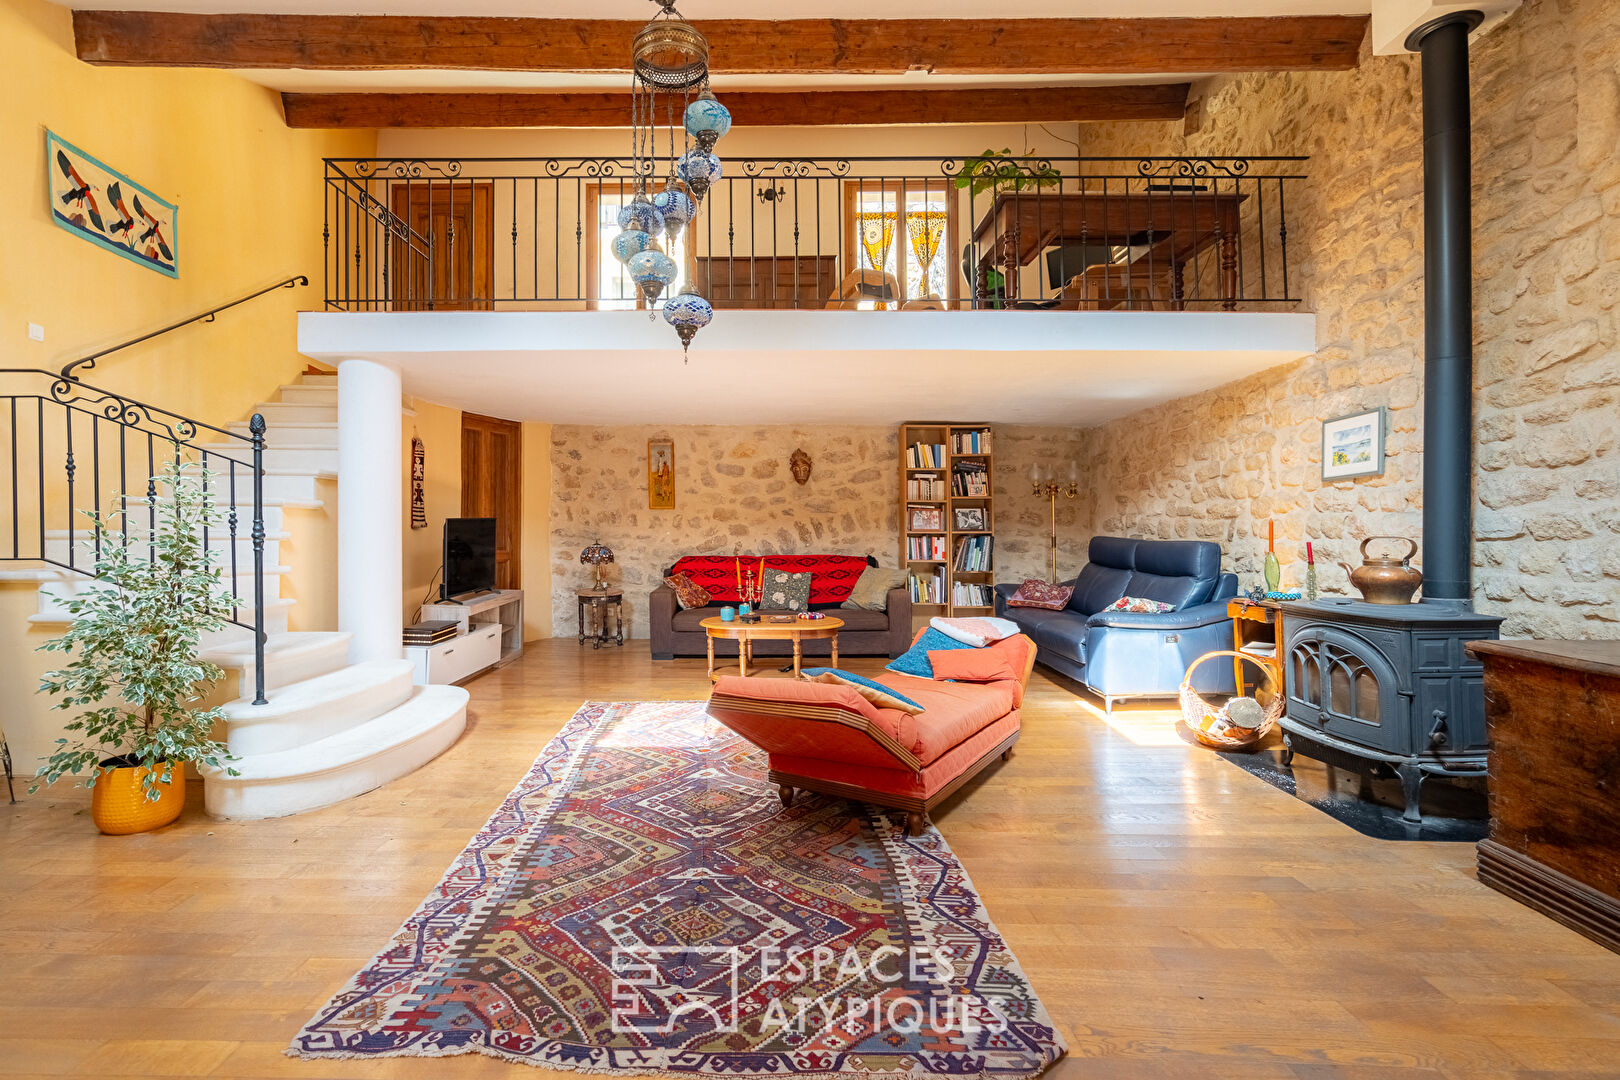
1341	684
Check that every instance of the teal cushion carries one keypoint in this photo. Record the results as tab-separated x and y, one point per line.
914	661
875	692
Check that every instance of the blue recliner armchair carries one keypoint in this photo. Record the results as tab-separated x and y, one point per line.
1121	654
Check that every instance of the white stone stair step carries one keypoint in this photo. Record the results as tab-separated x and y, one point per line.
288	658
299	394
276	614
324	379
315	709
305	433
273	509
284	414
291	457
338	767
288	487
219	541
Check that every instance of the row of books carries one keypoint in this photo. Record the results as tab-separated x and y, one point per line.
973	553
970	479
970	442
926	488
928	588
925	547
965	594
431	632
925	456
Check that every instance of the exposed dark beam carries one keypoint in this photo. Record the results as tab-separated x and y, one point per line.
796	46
748	109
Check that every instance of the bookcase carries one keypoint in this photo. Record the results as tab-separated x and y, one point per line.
947	516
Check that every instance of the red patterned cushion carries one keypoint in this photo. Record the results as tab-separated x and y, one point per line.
688	593
1042	594
833	581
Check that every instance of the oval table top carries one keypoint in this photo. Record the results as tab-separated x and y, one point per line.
765	629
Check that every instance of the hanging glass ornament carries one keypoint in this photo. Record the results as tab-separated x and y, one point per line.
688	312
632	242
699	170
640	213
707	121
652	272
676	207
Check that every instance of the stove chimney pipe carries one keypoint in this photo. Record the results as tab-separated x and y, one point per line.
1448	315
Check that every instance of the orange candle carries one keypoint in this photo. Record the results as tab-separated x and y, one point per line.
1271	535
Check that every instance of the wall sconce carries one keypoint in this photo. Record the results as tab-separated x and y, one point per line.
1043	485
770	194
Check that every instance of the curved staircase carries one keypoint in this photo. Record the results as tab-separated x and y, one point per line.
331	729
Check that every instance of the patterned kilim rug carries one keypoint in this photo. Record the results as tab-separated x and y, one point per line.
642	903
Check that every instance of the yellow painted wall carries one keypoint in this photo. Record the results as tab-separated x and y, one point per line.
440	429
250	201
536	538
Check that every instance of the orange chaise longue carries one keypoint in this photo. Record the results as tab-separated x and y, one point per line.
827	738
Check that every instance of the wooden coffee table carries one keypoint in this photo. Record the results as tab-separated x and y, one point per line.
746	634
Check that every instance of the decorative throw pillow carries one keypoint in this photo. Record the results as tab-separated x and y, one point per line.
872	590
875	692
785	591
688	593
975	632
1041	594
1141	606
914	661
973	665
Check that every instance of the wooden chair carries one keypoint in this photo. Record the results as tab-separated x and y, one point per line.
859	285
1107	286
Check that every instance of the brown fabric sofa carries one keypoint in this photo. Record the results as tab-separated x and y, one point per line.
865	633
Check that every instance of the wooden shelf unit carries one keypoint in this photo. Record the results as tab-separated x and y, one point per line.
935	433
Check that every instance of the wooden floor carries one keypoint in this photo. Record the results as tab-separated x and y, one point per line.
1179	918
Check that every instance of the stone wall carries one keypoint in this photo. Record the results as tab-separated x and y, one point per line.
734	492
1547	265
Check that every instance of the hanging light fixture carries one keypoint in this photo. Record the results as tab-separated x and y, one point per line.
670	77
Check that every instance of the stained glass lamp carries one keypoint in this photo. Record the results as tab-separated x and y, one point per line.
597	555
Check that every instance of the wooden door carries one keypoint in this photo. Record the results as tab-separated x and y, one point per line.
447	260
491	456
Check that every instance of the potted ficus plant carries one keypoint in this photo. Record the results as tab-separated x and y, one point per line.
136	670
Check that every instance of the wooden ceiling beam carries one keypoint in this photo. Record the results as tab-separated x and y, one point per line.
739	46
834	108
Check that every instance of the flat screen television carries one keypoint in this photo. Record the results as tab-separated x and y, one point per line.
469	556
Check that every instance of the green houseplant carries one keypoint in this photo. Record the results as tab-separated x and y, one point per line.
136	670
999	171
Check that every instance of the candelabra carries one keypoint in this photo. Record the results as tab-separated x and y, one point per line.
1051	489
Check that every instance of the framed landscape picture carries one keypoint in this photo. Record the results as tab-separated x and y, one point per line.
660	474
1353	445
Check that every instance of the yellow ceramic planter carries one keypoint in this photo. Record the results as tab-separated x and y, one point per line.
119	806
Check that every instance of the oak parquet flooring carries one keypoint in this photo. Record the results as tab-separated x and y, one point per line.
1179	918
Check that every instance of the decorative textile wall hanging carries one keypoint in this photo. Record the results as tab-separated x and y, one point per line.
110	210
418	477
660	474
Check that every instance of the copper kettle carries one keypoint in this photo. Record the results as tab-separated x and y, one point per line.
1386	580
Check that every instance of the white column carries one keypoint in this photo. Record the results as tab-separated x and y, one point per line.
370	510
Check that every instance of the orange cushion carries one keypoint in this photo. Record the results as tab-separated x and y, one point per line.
972	665
952	712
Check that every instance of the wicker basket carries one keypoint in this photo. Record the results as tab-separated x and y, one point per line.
1211	724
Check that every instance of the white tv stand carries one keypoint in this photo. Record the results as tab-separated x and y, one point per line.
489	634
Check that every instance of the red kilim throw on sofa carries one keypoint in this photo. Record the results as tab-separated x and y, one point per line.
642	903
1042	594
834	576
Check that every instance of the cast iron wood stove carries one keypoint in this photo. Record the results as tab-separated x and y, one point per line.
1390	684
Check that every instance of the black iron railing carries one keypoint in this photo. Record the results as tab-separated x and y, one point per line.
479	233
73	447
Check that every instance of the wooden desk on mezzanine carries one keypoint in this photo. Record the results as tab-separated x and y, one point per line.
1177	226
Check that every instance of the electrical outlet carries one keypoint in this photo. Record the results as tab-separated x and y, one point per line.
36	332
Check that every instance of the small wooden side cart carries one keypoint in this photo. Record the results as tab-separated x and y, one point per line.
1257	632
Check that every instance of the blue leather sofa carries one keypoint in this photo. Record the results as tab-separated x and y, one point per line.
1120	654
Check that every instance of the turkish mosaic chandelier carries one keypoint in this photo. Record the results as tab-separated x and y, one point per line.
669	80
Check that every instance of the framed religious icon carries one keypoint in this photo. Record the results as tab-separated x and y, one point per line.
660	474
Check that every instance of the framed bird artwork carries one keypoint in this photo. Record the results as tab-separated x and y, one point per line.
110	210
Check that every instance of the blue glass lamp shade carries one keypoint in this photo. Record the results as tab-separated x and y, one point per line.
688	313
700	170
641	215
652	271
707	121
632	242
676	208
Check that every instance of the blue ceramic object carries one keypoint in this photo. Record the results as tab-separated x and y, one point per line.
707	121
676	208
728	614
631	242
700	171
641	215
688	312
652	272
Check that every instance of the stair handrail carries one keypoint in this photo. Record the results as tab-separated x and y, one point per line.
73	394
89	361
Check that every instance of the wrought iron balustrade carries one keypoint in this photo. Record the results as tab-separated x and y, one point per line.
74	447
1164	233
